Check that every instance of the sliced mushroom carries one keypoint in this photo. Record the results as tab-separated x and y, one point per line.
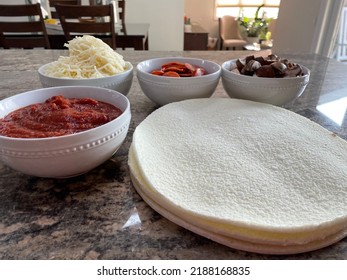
249	58
280	68
294	70
271	66
240	64
266	71
251	67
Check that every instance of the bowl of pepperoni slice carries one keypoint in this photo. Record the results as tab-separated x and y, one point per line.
171	79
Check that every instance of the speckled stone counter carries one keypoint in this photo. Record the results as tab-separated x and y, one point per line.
99	215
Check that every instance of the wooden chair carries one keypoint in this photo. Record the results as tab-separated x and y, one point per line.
229	33
96	20
52	4
28	31
121	15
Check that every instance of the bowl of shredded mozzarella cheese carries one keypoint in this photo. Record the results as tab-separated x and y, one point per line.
90	62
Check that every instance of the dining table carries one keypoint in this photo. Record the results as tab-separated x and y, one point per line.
134	37
99	214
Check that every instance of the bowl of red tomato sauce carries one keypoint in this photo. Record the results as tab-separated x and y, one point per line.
170	79
62	132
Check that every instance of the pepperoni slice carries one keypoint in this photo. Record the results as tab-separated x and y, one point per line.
157	72
171	74
177	69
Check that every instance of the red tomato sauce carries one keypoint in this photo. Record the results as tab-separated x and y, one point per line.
57	116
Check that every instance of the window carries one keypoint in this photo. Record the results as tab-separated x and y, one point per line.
246	8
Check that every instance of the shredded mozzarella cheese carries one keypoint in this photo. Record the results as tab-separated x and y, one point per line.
89	57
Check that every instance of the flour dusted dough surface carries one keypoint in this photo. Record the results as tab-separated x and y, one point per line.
243	164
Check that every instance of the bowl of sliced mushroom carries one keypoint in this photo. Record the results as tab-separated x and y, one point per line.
270	79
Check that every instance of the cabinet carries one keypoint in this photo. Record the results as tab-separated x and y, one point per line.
196	40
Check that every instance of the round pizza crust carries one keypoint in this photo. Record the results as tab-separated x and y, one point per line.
239	244
244	170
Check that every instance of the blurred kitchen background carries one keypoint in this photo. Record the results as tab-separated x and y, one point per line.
310	26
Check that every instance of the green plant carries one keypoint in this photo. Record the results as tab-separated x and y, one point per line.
256	26
186	20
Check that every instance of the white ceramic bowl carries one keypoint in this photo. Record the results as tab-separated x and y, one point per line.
276	91
69	155
163	90
120	82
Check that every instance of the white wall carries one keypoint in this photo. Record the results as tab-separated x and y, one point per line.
202	13
308	26
165	18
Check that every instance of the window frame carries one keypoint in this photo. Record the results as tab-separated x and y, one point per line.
244	4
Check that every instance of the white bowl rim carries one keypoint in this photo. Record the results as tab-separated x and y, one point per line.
176	59
129	66
14	139
228	62
165	83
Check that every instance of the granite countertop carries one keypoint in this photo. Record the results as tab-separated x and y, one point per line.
99	215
